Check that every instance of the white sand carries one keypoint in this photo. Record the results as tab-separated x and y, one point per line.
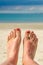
3	42
5	28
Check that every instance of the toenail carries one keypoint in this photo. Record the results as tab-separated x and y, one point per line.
28	32
18	29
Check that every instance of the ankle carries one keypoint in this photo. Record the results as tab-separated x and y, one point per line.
26	59
12	60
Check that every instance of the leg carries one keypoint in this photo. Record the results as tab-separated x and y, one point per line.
29	46
13	44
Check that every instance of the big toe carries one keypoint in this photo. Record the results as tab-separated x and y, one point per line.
18	33
27	33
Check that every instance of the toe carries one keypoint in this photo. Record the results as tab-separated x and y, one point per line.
27	33
32	36
9	36
18	32
14	33
36	41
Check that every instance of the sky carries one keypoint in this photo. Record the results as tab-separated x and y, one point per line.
21	6
20	2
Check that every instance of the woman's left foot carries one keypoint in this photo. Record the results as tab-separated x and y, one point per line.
13	44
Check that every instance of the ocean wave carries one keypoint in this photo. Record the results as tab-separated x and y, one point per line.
21	9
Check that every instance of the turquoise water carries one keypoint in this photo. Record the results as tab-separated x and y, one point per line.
6	17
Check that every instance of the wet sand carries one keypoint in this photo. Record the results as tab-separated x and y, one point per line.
21	25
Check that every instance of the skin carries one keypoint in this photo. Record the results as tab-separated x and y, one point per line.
13	45
29	48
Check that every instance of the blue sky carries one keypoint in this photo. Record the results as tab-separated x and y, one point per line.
20	2
21	6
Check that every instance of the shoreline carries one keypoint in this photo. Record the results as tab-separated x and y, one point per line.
33	25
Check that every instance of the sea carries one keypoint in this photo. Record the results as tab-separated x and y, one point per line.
21	17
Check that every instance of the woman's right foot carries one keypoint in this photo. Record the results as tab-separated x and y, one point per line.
29	45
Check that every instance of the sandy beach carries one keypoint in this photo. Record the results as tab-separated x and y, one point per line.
5	28
21	25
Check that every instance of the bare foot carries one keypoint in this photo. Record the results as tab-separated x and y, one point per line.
29	45
13	44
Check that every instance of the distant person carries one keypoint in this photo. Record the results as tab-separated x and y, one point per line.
30	42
